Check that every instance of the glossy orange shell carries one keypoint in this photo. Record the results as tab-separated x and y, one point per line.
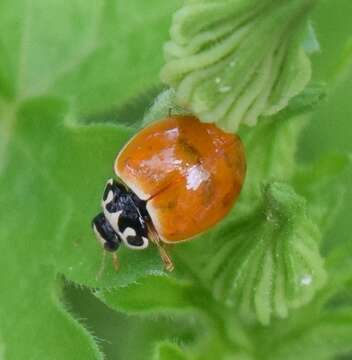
190	172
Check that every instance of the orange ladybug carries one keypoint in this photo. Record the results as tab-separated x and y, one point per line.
177	178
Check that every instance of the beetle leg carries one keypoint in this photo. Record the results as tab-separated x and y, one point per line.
115	262
102	266
165	257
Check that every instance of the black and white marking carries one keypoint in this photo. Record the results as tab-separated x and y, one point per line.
105	233
125	214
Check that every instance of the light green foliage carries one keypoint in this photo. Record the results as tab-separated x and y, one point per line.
80	50
172	296
48	211
315	182
272	281
231	62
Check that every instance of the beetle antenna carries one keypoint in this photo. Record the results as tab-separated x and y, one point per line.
165	257
102	266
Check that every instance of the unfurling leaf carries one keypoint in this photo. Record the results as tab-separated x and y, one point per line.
270	262
281	267
231	62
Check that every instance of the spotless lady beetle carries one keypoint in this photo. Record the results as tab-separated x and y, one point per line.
177	178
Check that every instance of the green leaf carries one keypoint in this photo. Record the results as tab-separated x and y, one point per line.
306	101
63	167
2	350
30	304
316	182
129	113
325	338
270	150
54	199
335	57
169	351
152	294
231	62
342	69
338	290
